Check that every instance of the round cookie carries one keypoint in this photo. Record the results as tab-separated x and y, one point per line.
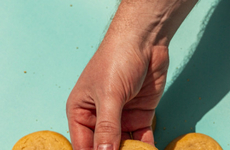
136	145
43	140
193	141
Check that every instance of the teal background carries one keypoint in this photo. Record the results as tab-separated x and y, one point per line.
53	41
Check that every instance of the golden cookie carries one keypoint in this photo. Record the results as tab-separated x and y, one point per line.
136	145
154	123
193	141
43	140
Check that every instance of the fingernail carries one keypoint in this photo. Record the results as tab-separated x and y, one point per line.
105	147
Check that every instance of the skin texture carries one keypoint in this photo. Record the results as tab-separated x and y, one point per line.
122	84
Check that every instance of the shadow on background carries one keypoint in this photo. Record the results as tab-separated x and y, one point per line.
201	85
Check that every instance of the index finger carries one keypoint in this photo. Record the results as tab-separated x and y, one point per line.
81	135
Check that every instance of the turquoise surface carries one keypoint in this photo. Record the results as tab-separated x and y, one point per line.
52	41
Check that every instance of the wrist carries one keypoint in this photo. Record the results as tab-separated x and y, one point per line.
149	23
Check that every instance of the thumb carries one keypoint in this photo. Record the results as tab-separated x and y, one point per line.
108	126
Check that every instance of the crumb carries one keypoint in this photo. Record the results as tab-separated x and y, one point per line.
187	79
36	119
51	128
131	135
213	122
91	46
25	71
67	131
185	121
59	87
164	128
155	142
76	47
71	5
199	98
191	128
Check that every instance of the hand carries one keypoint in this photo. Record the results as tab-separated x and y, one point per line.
119	89
117	93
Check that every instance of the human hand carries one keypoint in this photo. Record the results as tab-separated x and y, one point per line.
119	89
117	93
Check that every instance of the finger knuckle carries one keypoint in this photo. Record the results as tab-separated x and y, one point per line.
107	127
